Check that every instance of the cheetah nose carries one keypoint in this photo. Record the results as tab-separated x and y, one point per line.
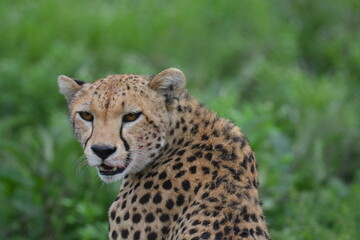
103	151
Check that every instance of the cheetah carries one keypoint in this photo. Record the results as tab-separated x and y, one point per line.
185	172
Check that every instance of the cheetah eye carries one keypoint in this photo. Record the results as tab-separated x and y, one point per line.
86	116
130	117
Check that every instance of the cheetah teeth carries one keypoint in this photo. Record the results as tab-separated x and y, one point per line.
109	170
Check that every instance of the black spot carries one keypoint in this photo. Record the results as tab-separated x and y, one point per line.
167	185
244	233
144	199
214	175
136	218
219	147
206	170
197	188
236	230
124	233
206	223
118	219
180	200
194	129
191	159
185	185
204	137
112	215
186	144
114	235
198	154
125	194
230	216
162	175
252	169
213	199
137	235
193	169
196	222
193	231
208	156
243	211
181	152
216	225
134	198
205	235
237	220
149	218
219	236
215	133
123	205
157	198
164	218
255	183
177	166
227	230
253	217
180	174
136	186
152	236
181	140
164	230
258	231
126	216
244	162
148	184
205	195
169	204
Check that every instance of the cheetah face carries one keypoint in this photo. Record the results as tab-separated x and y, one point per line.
121	121
123	143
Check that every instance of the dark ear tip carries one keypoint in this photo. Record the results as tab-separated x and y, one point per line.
66	78
79	81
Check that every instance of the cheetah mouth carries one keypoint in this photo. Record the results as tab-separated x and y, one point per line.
110	170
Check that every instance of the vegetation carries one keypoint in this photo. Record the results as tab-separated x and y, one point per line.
287	72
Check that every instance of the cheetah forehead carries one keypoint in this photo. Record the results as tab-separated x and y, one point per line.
115	91
121	83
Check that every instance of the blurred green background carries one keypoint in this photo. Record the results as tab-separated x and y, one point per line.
287	72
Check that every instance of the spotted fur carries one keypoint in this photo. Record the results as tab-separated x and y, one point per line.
187	173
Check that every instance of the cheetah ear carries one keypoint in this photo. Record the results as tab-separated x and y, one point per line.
170	83
69	86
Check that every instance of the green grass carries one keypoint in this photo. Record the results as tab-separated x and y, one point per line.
287	72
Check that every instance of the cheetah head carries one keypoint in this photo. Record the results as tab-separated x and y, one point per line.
121	121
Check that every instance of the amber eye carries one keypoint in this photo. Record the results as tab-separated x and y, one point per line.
86	116
130	117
